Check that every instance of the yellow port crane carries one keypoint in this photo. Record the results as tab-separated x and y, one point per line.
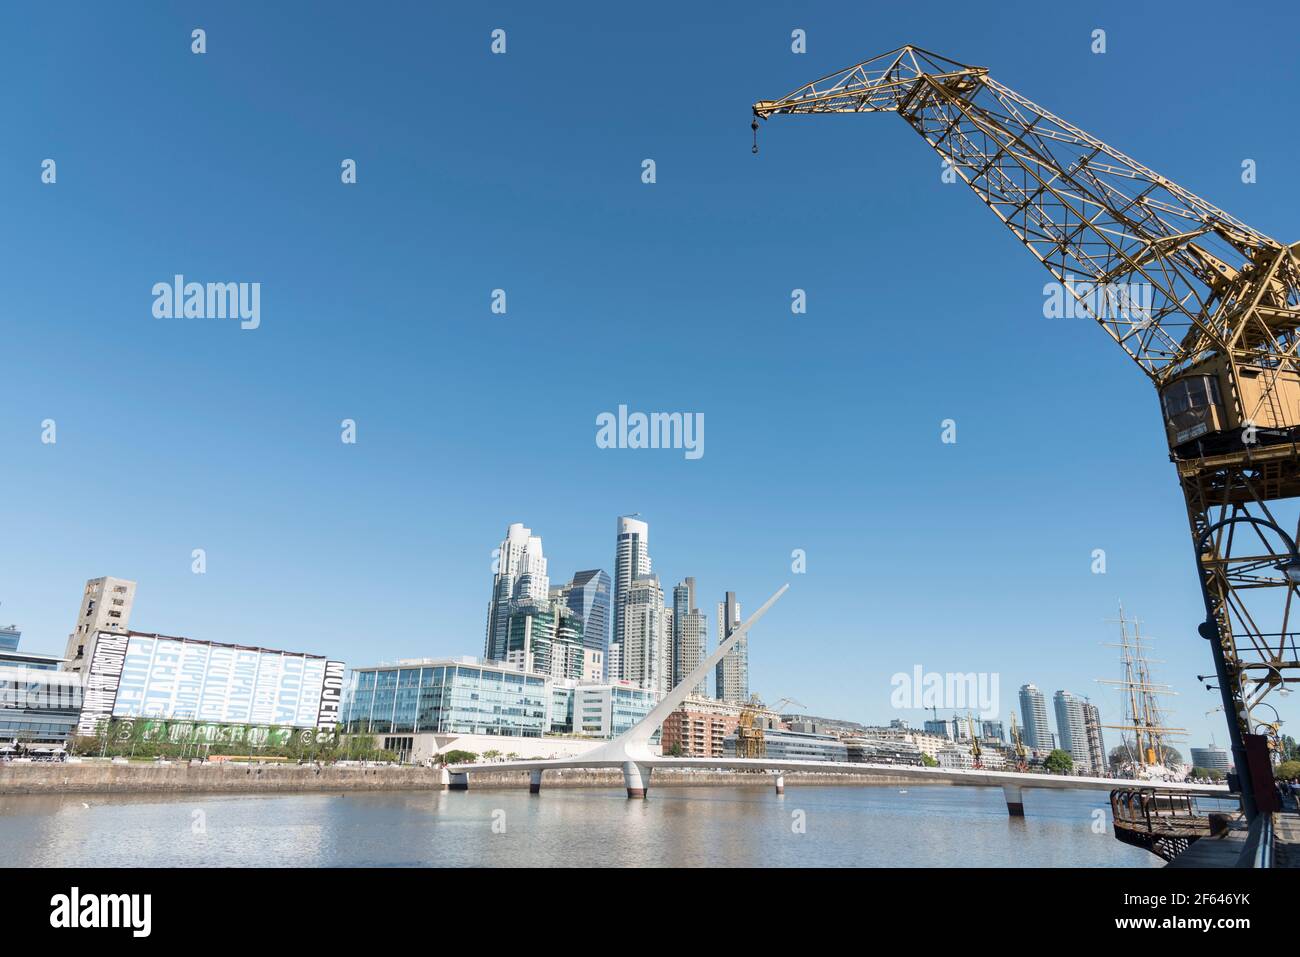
976	754
1022	762
749	730
1207	307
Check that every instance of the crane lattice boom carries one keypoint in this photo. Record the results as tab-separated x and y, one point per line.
1098	219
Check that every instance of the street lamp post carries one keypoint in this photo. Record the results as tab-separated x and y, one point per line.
1274	730
1209	630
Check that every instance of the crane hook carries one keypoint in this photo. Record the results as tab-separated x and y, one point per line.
754	126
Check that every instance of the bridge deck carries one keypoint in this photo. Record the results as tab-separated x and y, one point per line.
970	777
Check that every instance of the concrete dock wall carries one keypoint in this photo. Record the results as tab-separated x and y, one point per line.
104	777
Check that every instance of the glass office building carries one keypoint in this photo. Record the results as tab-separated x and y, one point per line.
796	745
39	705
447	696
588	596
562	708
607	710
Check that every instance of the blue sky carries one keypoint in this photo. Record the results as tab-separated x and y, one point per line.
523	172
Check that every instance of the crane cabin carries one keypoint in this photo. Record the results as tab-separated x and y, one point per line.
1219	406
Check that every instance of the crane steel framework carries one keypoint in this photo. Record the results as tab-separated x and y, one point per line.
1153	265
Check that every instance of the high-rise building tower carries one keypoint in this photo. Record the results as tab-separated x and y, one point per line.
731	677
1071	729
1037	734
105	606
645	652
588	595
631	561
670	648
545	638
690	636
520	576
1096	744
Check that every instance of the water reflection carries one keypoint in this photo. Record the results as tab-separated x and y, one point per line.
715	826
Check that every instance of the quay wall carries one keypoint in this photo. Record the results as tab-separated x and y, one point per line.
104	777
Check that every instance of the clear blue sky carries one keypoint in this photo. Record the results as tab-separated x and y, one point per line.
522	172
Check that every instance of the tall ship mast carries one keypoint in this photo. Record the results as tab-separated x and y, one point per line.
1144	729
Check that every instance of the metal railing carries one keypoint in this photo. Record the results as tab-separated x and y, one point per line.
1163	822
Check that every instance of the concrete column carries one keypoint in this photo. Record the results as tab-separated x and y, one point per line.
459	781
637	778
535	782
444	778
1015	800
780	783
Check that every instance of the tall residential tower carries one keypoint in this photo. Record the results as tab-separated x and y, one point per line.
1037	734
1071	728
731	677
631	561
690	636
646	655
519	575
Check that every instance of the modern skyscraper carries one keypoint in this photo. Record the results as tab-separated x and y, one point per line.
588	595
568	654
9	638
105	606
690	636
1096	744
532	583
631	561
1037	734
670	648
545	638
529	634
645	647
1071	728
520	576
731	677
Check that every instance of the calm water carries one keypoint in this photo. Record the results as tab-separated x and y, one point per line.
696	826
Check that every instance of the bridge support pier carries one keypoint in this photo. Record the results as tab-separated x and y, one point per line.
780	783
459	781
535	782
637	778
1015	800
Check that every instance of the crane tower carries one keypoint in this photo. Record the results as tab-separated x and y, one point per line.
1205	305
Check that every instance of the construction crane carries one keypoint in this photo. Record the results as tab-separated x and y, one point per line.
788	701
975	752
1205	305
1022	762
749	730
